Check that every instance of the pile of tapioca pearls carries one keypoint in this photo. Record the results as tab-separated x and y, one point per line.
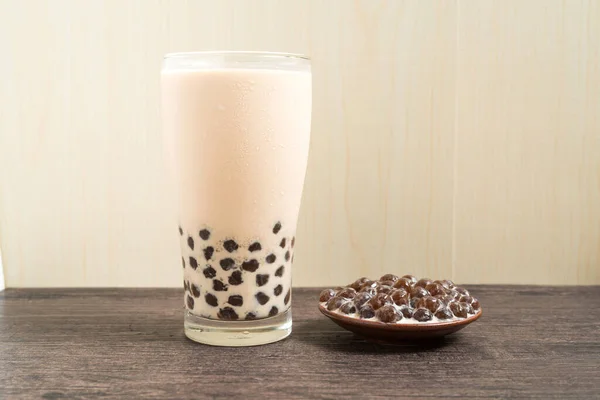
407	299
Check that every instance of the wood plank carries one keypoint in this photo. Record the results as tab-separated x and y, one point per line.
528	148
532	342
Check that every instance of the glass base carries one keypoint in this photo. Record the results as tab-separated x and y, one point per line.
238	333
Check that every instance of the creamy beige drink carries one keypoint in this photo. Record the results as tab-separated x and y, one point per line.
237	129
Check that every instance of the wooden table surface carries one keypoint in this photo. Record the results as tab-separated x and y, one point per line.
532	342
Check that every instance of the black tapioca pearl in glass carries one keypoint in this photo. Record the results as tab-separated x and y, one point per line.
183	262
228	314
250	265
388	314
208	252
458	309
435	289
287	255
288	295
219	286
235	278
357	284
326	295
211	299
279	271
273	312
227	264
380	300
250	316
422	315
278	290
462	291
406	311
204	234
209	272
411	278
367	311
361	298
335	302
347	293
277	228
399	297
262	298
282	243
236	300
193	263
418	291
190	242
255	247
404	283
423	282
348	307
430	303
195	290
262	279
389	277
180	231
443	313
230	245
189	302
270	259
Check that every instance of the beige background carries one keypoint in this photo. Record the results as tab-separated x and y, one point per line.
450	138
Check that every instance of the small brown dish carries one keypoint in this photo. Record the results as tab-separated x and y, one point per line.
383	332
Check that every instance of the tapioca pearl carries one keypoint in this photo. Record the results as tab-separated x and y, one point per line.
274	311
204	234
183	262
287	297
293	241
282	243
277	228
208	252
287	255
255	247
250	316
227	313
262	298
190	242
278	290
209	272
443	313
211	299
422	315
236	278
230	245
262	279
279	271
189	302
180	231
250	265
270	259
219	286
193	263
195	290
227	264
236	300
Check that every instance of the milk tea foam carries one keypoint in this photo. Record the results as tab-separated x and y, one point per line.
237	141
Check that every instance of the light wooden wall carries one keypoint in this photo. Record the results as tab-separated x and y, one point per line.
450	138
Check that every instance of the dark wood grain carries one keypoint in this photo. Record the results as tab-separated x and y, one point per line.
532	342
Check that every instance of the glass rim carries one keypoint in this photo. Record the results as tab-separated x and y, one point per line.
273	54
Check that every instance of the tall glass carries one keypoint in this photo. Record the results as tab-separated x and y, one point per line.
237	131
